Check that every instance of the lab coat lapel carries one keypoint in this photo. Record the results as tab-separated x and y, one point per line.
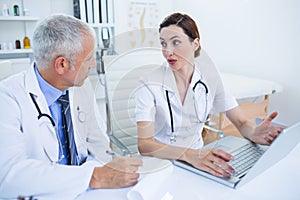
79	130
169	83
46	129
196	76
73	110
31	82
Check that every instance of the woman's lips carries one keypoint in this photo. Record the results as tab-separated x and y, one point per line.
172	61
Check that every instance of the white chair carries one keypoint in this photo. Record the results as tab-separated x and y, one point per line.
122	76
5	69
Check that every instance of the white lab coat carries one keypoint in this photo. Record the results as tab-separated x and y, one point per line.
151	102
29	147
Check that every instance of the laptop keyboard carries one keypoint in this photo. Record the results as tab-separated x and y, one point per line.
245	158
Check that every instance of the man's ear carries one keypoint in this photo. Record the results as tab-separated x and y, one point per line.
60	64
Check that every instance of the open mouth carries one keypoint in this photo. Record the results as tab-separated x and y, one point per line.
172	61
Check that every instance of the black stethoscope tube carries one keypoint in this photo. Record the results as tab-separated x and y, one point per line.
39	110
170	111
204	85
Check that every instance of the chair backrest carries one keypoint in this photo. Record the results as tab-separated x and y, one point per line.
122	76
5	69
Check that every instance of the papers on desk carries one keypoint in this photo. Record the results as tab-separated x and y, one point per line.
153	173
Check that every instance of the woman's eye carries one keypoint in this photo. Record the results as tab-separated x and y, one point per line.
163	44
176	42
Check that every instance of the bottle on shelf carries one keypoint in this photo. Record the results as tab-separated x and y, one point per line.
16	10
18	44
10	46
5	10
26	42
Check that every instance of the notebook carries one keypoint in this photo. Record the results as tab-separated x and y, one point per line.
282	145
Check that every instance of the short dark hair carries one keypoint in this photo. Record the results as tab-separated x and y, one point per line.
186	23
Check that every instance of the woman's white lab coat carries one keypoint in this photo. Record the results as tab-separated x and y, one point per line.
152	103
29	146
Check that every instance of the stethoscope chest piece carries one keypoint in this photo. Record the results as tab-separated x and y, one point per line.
172	138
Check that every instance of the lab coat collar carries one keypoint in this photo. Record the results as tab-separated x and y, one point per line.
169	82
31	82
162	76
32	86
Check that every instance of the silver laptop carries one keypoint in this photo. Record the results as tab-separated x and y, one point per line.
260	159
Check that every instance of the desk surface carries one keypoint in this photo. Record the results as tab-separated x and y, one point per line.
281	181
247	87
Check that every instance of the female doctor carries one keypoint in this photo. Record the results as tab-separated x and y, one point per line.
173	103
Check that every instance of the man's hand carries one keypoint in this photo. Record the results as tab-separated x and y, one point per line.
121	172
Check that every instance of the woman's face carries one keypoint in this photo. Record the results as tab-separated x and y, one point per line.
177	47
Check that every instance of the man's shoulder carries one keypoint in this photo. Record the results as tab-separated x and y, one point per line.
13	81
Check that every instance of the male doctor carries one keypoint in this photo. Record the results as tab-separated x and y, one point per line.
38	156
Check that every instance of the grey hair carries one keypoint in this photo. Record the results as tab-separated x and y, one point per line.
59	35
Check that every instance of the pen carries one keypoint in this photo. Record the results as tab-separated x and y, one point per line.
221	134
25	198
114	154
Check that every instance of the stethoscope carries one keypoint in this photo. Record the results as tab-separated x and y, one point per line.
81	118
81	115
201	120
40	112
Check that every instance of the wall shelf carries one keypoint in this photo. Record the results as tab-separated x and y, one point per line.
16	28
18	18
16	51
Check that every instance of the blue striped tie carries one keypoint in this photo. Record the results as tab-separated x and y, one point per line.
68	130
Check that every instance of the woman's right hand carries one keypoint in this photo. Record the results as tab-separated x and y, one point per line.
213	161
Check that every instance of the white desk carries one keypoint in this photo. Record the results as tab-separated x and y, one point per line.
243	87
279	182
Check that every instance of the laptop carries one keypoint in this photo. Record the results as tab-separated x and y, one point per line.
268	155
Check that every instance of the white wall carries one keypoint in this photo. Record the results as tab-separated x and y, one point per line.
42	8
259	38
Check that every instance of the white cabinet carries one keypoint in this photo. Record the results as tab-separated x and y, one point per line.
15	28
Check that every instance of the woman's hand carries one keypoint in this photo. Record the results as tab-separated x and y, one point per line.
265	133
213	161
